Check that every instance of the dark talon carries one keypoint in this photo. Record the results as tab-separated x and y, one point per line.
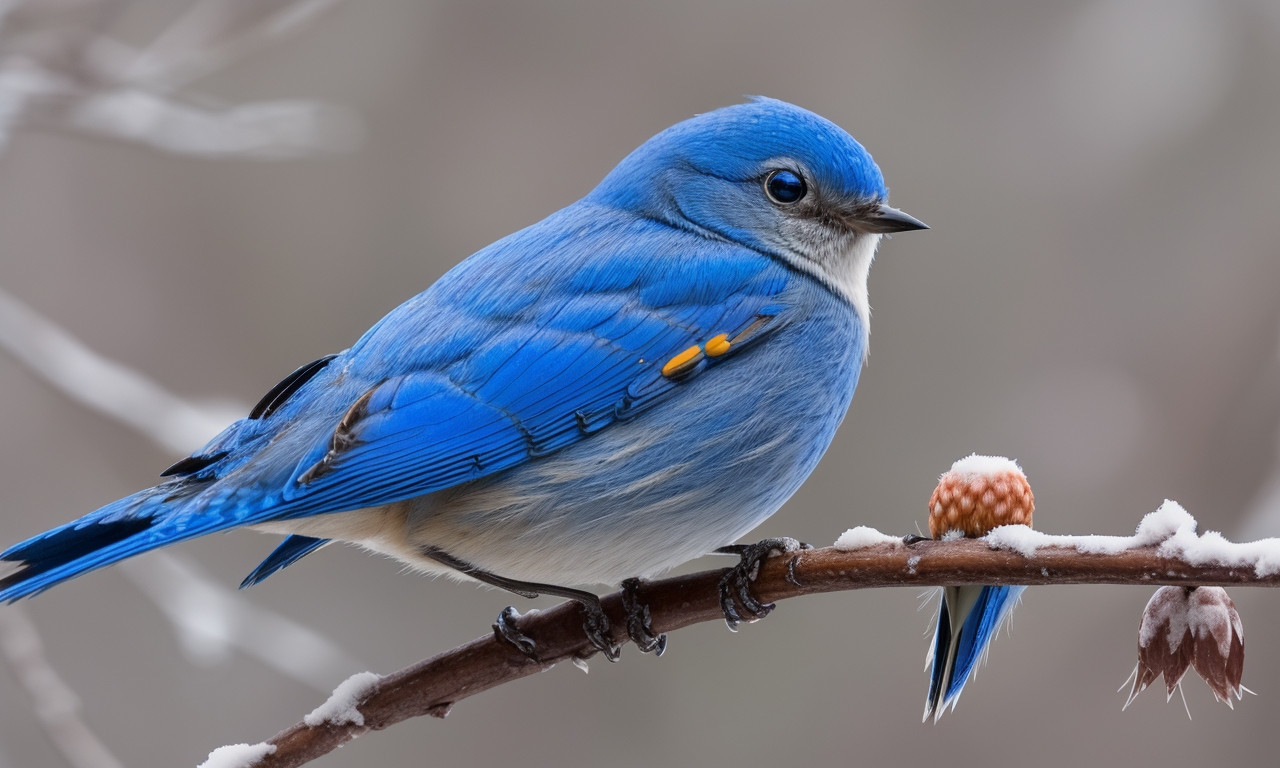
911	538
791	569
736	582
595	624
639	621
505	629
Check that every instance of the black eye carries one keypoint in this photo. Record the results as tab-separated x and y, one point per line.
784	187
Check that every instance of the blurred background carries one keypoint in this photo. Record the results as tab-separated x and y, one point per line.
212	194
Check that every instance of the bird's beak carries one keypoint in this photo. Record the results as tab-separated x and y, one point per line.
884	220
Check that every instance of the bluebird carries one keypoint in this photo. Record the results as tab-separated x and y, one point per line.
639	379
977	494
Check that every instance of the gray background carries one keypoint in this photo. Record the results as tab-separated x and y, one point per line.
1097	299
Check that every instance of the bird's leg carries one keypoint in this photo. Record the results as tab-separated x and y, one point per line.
639	622
595	624
736	582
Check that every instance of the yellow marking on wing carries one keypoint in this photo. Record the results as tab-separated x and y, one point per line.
683	362
717	345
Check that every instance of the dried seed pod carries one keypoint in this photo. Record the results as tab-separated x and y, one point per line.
979	493
1218	654
1197	627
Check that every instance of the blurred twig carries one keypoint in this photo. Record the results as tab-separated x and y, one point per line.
66	75
61	70
105	386
433	686
56	706
209	618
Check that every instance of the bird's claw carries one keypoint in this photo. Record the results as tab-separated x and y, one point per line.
912	538
595	624
639	621
735	585
505	629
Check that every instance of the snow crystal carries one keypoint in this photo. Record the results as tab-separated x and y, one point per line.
1263	556
862	537
238	755
341	705
1170	527
1169	520
1167	611
1212	615
1020	538
974	464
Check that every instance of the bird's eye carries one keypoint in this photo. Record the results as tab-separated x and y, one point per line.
784	187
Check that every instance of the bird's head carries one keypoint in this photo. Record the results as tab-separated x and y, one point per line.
770	176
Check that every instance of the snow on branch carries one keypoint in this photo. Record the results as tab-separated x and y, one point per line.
1166	550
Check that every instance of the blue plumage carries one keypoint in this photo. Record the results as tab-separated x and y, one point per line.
968	619
290	551
531	413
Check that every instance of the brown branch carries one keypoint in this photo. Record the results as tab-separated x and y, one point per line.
433	686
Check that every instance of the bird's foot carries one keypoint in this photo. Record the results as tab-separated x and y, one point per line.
505	629
639	622
912	538
594	621
595	624
736	582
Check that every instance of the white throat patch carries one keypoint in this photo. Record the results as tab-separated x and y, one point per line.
843	264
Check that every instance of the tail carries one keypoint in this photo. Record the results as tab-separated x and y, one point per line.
139	523
968	620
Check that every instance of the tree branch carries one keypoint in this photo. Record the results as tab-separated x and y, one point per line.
433	686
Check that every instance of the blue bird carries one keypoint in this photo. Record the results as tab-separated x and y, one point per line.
635	381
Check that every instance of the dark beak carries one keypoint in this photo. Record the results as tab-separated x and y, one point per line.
884	220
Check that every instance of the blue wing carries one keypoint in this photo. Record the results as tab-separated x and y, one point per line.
968	620
538	342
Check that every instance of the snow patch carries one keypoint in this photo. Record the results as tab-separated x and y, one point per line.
1170	519
975	464
862	537
238	755
340	708
1170	527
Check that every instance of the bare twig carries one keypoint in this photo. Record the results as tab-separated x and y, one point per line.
208	617
60	76
433	686
212	620
56	706
106	386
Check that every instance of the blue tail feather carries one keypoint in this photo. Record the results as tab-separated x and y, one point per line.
122	529
290	551
980	627
967	623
